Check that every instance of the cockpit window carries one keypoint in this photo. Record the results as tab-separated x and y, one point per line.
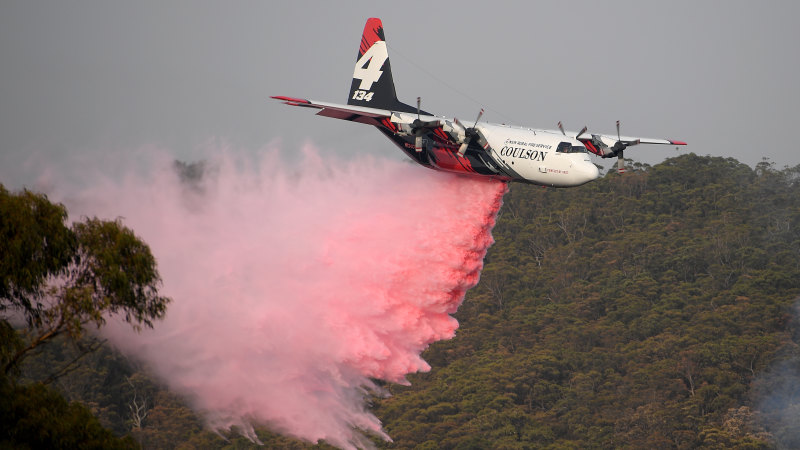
567	147
578	149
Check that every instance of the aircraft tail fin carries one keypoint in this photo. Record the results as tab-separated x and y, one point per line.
372	84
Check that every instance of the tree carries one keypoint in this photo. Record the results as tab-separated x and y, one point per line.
36	416
61	279
34	244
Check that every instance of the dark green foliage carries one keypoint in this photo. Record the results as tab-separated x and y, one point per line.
34	243
59	280
35	417
635	311
85	272
118	271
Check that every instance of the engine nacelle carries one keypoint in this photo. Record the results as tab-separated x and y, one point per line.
604	146
456	133
403	123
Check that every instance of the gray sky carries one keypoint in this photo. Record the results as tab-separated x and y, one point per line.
84	78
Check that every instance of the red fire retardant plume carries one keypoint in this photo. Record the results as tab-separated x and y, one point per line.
293	286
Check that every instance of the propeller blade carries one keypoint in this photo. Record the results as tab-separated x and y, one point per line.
480	114
618	138
561	127
469	134
419	101
458	123
418	143
583	130
620	163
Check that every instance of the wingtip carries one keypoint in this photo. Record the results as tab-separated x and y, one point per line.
290	100
677	142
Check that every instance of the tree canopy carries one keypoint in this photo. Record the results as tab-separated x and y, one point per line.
55	280
34	245
60	278
637	311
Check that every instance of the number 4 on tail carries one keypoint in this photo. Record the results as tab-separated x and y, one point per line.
368	67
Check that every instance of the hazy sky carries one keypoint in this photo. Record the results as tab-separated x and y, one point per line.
99	77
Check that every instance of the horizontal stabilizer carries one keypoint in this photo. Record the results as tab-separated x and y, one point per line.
337	111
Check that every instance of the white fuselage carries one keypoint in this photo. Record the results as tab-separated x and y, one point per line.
544	157
539	156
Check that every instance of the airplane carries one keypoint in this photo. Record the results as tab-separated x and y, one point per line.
509	153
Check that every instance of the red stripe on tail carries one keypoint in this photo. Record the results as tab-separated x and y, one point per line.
373	32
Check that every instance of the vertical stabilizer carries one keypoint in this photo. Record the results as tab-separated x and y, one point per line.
372	84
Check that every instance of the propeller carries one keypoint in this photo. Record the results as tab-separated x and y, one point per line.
419	127
580	133
620	156
561	127
470	133
619	148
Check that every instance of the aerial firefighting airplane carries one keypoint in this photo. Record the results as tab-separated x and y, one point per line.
544	157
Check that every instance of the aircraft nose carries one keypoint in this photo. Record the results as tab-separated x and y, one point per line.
590	171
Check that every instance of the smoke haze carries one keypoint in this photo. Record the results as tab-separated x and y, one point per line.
776	390
293	286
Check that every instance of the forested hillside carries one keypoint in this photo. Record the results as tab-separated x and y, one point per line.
650	310
637	311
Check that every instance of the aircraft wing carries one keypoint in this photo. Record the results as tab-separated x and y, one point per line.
628	139
352	113
608	145
611	139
